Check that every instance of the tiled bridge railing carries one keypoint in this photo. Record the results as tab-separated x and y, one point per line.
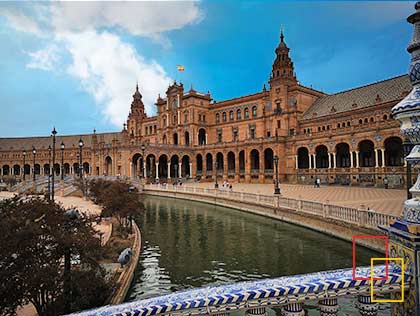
361	218
288	292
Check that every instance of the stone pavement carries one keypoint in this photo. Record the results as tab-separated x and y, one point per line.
380	200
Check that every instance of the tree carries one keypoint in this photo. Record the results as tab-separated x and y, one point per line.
34	237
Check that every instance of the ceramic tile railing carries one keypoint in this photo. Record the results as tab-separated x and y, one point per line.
362	218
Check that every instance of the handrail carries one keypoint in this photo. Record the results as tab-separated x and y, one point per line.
260	293
362	218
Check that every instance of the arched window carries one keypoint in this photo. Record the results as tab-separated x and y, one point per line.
185	117
164	121
254	111
238	114
231	115
366	120
385	117
246	113
371	119
360	121
217	118
224	117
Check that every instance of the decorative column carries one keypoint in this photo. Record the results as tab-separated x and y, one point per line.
404	232
357	158
169	170
383	158
310	161
314	160
157	170
296	162
365	306
334	160
179	170
293	309
328	307
206	140
144	168
351	160
329	161
192	174
376	158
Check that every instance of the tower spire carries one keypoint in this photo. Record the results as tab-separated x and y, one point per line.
281	34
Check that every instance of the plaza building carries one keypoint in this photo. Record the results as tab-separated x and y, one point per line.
345	138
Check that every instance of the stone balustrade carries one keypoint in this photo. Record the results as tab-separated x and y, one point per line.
361	218
289	293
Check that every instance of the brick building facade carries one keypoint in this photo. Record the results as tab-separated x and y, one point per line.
347	137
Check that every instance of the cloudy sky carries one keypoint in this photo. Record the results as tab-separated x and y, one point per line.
75	64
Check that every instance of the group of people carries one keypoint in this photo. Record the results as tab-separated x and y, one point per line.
227	186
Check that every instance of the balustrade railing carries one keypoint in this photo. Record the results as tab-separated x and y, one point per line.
358	217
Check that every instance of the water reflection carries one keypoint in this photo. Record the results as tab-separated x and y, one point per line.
189	244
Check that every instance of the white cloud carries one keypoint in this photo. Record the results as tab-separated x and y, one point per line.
45	59
108	69
106	66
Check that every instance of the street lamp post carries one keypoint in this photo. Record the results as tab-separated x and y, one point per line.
24	156
62	161
54	132
80	158
276	184
34	154
407	147
49	172
216	166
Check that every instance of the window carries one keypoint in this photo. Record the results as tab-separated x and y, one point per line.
231	115
254	111
366	120
338	125
199	117
164	121
238	114
292	132
278	124
252	133
385	117
348	124
246	114
224	117
360	121
219	136
155	128
146	131
217	118
292	101
268	134
174	120
372	120
235	135
204	118
185	117
319	128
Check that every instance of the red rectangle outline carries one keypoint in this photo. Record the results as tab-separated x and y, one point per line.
354	257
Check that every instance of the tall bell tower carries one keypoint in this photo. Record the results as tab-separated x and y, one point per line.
137	114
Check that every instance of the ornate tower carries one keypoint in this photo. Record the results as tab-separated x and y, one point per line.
137	114
282	70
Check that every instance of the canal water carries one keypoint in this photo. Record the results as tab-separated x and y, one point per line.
190	244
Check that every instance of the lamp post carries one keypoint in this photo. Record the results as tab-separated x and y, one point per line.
34	154
276	184
76	172
24	156
407	147
49	172
62	161
53	132
80	158
216	166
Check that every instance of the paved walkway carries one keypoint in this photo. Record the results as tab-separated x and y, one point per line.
380	200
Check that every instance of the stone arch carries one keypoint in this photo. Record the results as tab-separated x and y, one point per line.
174	166
303	158
367	153
150	166
108	166
185	166
254	156
202	136
86	168
268	160
163	166
321	156
164	139
47	168
6	170
16	170
343	159
199	164
27	169
66	168
231	162
57	169
137	166
394	153
37	168
242	162
209	162
219	160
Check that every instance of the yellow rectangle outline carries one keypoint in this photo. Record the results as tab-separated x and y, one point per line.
372	277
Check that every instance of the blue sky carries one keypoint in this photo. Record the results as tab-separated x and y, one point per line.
75	65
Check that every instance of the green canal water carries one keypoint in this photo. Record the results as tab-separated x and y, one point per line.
190	244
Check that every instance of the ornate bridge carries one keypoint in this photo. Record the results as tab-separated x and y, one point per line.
254	297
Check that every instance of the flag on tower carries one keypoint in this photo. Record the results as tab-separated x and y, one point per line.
180	67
